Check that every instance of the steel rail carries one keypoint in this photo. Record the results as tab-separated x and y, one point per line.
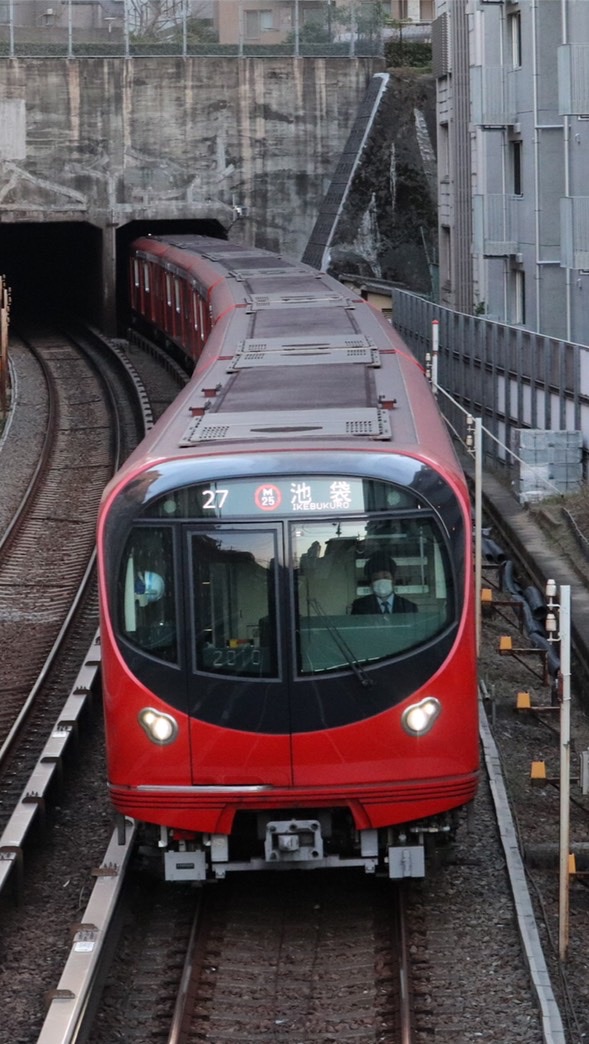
83	587
405	1004
45	453
178	1033
71	1003
33	796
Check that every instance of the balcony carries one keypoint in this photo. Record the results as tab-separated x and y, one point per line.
574	232
496	225
573	80
493	96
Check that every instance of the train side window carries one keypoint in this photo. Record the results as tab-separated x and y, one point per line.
136	280
147	601
177	295
146	280
168	289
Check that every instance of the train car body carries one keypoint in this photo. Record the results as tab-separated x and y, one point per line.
258	712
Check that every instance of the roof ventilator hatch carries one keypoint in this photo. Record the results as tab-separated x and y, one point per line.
298	351
368	423
285	300
243	274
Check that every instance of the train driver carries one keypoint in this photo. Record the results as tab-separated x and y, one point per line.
380	572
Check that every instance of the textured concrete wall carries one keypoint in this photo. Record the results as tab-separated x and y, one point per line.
109	141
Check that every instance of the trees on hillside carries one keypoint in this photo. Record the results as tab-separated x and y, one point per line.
159	21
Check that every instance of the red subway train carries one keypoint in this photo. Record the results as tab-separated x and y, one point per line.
286	582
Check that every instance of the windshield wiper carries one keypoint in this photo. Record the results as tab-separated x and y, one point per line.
365	680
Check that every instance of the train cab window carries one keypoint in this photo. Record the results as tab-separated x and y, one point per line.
233	576
368	591
147	602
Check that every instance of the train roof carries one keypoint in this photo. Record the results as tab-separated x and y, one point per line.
295	361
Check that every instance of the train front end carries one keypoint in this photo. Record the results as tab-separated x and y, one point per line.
263	709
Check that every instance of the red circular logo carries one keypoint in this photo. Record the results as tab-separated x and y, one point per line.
268	498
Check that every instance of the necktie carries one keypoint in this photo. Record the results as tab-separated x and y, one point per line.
386	607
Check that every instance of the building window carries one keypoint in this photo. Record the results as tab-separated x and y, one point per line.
517	186
444	152
4	13
514	23
256	23
446	256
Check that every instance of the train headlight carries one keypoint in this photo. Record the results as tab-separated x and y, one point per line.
161	728
418	719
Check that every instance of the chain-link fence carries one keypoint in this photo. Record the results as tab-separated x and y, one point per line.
239	28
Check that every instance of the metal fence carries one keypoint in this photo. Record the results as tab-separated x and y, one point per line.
511	378
238	28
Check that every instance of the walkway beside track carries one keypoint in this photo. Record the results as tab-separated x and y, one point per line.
541	557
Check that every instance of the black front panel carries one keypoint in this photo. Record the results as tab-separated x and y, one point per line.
333	601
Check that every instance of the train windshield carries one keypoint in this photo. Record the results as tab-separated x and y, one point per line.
294	594
368	591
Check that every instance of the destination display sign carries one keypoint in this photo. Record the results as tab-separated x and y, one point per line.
286	496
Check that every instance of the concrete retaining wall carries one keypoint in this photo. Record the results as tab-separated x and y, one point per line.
108	141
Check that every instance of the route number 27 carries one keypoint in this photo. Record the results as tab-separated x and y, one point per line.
213	499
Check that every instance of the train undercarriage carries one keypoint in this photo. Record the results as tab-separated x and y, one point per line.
307	840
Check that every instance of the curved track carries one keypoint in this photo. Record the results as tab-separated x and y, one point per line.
469	973
48	615
46	550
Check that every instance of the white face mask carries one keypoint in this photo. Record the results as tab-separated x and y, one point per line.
382	588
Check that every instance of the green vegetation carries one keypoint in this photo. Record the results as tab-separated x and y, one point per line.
413	54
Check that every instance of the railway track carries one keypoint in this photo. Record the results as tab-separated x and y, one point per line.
46	549
259	944
308	957
313	958
52	838
256	970
47	546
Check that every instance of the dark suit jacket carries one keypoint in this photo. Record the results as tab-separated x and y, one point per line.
371	604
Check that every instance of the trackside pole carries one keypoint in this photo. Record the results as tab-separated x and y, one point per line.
478	523
558	628
565	769
435	354
4	320
474	443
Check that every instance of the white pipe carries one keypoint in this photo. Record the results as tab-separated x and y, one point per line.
566	125
536	165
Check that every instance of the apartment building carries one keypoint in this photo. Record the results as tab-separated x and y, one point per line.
419	11
264	22
49	14
513	161
321	21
